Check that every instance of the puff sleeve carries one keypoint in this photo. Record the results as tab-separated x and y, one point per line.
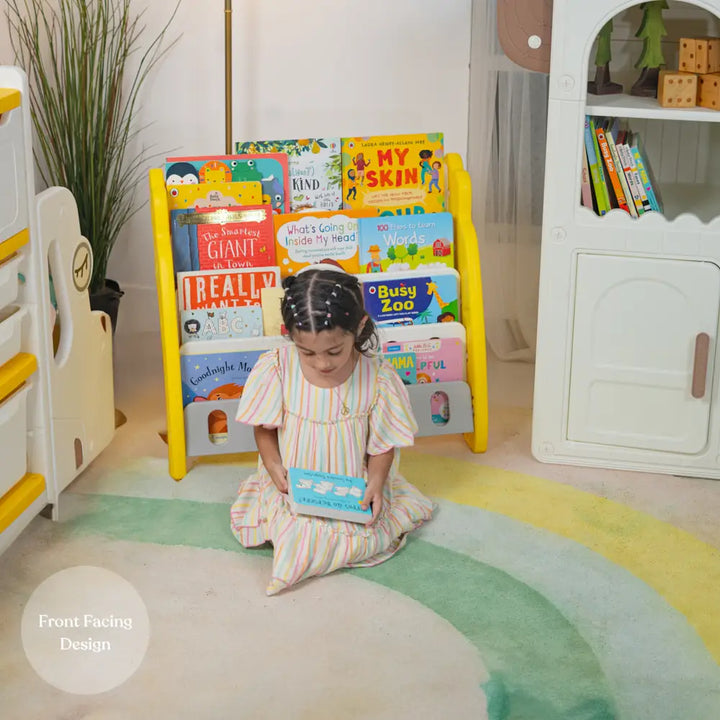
261	402
392	423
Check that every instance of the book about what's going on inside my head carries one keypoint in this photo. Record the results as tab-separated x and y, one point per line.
328	495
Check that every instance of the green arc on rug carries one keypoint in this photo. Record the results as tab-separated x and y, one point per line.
491	609
642	544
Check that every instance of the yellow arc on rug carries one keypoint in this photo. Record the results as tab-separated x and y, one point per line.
681	568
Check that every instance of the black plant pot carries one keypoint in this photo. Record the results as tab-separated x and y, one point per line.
107	299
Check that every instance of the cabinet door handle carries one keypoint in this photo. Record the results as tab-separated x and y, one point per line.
702	351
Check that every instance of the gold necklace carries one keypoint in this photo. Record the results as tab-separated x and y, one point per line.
344	409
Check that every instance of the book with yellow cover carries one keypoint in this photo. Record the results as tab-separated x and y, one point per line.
306	238
394	174
214	194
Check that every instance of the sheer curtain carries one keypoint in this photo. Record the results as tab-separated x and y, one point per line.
506	160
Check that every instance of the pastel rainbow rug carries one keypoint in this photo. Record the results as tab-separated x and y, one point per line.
523	599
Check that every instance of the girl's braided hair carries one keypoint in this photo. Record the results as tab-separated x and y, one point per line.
317	299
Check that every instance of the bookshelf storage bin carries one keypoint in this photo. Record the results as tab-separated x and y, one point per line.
627	374
13	438
187	428
11	321
9	280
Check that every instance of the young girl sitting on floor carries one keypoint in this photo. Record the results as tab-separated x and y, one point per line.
326	402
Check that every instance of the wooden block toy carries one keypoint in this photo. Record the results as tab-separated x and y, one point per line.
686	57
708	95
713	55
677	89
699	55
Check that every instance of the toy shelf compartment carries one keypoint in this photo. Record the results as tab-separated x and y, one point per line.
188	431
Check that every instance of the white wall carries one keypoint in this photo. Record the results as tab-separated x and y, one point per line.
301	68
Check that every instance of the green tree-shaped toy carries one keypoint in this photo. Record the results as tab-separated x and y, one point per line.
651	30
602	85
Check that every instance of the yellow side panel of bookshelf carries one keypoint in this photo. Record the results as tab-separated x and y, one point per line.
472	309
165	279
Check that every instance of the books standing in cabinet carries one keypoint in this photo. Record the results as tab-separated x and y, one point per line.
616	172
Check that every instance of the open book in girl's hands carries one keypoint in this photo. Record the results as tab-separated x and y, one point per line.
327	495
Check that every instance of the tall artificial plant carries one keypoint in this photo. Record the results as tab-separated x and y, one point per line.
87	61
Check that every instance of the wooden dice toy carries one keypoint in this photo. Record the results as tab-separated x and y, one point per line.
677	89
709	91
699	55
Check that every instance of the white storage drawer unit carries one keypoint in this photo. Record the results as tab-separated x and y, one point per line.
13	438
11	320
13	198
9	280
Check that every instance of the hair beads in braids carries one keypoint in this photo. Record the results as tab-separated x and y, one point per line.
317	300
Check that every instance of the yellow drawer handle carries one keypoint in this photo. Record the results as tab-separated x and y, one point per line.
9	99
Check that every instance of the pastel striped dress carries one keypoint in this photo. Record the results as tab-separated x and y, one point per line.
312	433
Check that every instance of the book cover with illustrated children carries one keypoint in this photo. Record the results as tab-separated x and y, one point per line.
435	358
314	166
200	289
394	174
305	238
221	323
406	242
270	170
218	370
234	237
329	495
412	297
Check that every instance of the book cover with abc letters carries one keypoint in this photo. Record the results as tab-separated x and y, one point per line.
221	323
329	495
412	297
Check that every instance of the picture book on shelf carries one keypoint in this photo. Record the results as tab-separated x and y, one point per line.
234	237
611	171
200	289
406	242
270	299
218	370
437	353
394	174
214	194
314	166
412	297
405	364
221	323
305	238
328	495
270	170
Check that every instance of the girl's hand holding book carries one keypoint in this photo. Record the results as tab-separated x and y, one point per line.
278	473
